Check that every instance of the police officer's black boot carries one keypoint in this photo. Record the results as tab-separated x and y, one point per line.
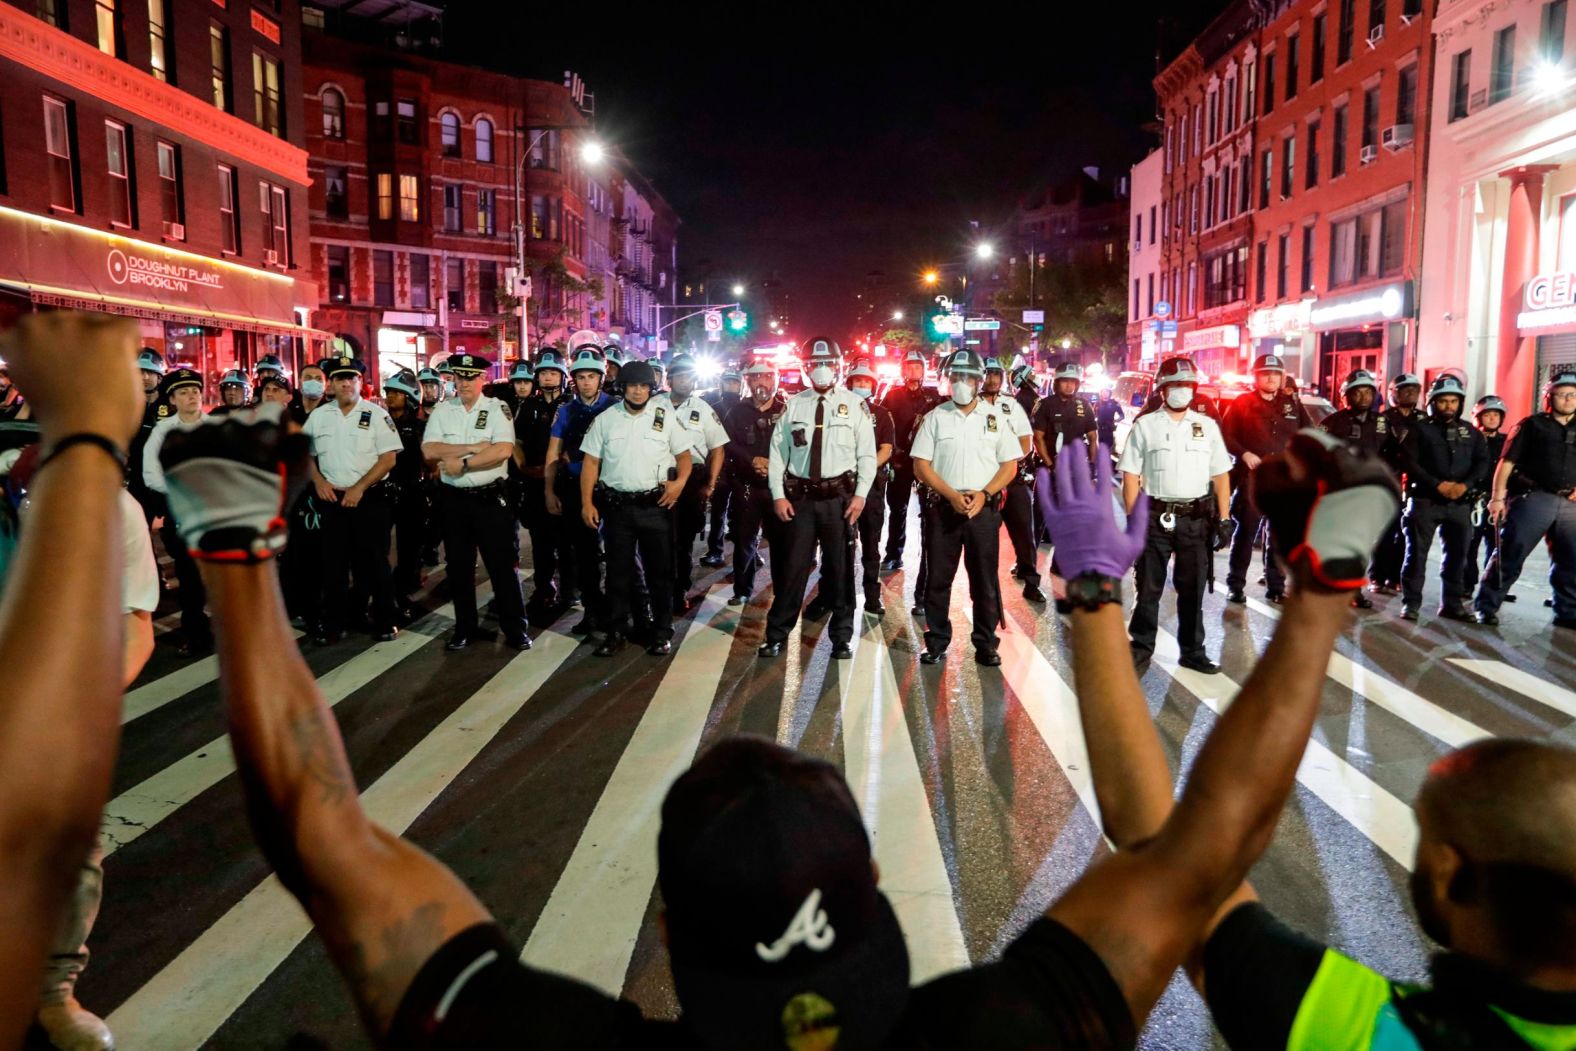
1032	592
873	604
611	644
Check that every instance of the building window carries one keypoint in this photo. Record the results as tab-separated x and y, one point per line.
1338	135
405	122
454	275
1551	36
1192	212
1288	165
1392	238
4	188
1269	82
1375	17
1371	116
1249	93
449	125
1266	177
219	66
409	199
544	150
1244	184
1311	163
1149	284
336	192
338	273
1198	128
1260	270
265	94
1406	96
1209	201
487	211
385	196
1503	76
54	12
381	127
1282	265
1138	230
1307	258
109	38
382	277
172	197
229	216
1343	39
452	196
159	53
1460	84
333	114
1316	48
484	143
1192	288
1225	277
1292	43
276	220
487	286
1368	245
122	195
1212	130
421	282
1229	104
1137	289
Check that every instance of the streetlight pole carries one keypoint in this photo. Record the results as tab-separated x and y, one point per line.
519	225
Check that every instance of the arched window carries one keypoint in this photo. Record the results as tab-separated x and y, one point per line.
333	114
484	131
451	135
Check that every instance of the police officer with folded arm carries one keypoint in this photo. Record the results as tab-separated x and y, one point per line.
1017	511
1362	425
1445	460
1179	458
1533	499
750	425
565	460
470	438
1258	425
707	439
637	461
820	469
965	455
862	381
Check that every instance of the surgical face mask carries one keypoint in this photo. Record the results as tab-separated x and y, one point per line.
312	388
448	388
865	392
1178	397
821	376
761	391
962	391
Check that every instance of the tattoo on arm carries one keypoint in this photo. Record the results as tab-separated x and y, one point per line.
381	965
322	762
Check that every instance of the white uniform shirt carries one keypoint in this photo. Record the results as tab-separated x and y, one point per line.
848	440
139	584
1017	420
348	444
966	448
488	421
152	470
702	424
1175	459
636	450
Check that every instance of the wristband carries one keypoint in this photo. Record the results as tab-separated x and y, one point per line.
1089	591
84	438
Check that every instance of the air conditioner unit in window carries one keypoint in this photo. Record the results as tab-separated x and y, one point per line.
1397	136
175	231
1375	35
270	257
1368	154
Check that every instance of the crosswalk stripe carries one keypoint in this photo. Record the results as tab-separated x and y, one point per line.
135	811
879	763
1426	716
1363	803
177	684
185	1003
1528	685
592	920
1052	706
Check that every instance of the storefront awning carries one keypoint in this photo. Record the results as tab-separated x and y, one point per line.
153	312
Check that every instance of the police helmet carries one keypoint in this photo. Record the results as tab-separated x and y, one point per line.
657	365
586	359
1269	363
428	375
1405	379
1359	378
731	374
761	368
1446	384
1069	371
964	363
915	357
403	381
550	359
614	354
446	367
584	338
681	363
993	364
824	351
1490	403
522	371
270	361
234	378
1022	374
860	371
151	360
1177	371
638	373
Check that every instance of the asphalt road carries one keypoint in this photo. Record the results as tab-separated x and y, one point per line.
537	777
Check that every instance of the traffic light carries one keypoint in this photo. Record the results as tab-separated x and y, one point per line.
738	321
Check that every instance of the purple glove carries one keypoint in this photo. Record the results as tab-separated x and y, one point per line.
1081	522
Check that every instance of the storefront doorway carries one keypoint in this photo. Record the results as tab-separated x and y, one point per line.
1346	349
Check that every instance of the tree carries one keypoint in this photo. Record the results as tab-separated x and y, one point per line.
1084	303
899	341
558	298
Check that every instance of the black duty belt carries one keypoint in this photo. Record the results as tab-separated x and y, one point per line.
607	496
932	498
490	489
1199	507
819	488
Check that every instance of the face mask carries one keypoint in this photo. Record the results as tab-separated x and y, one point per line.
962	392
312	388
821	376
448	390
865	392
761	393
1179	397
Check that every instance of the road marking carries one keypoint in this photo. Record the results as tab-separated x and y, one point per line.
1425	715
1528	685
879	763
1363	803
185	1003
592	919
1052	706
135	811
154	695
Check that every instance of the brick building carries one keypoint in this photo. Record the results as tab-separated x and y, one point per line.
151	165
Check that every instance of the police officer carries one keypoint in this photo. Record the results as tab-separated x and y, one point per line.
470	437
1400	417
267	365
1017	511
907	404
522	382
1179	457
1533	499
234	392
707	439
862	381
1361	424
181	391
1489	415
1062	418
659	371
552	554
354	447
446	377
1107	413
636	465
407	487
561	480
750	425
614	358
1258	425
965	455
1445	459
820	469
431	389
1025	389
151	364
722	401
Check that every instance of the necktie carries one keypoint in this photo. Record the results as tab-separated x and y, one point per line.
815	443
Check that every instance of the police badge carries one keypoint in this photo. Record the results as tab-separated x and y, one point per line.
481	420
1198	429
660	421
990	424
366	419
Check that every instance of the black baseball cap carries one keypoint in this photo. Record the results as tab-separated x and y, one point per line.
776	930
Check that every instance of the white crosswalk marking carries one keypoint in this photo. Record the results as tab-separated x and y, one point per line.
177	684
1525	683
186	1002
590	924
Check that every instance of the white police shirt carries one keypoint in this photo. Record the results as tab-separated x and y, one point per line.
1177	459
486	422
1018	421
152	469
848	440
348	444
635	450
966	448
702	424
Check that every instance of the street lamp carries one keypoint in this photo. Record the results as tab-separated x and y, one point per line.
592	154
897	315
984	250
738	290
931	277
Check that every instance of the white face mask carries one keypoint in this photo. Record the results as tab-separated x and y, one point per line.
865	392
822	376
1179	397
312	388
448	389
962	391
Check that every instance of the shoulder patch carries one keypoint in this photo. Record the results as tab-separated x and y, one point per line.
694	415
390	421
503	410
164	411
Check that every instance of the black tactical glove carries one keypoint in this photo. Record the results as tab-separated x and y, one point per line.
230	479
1327	510
1225	529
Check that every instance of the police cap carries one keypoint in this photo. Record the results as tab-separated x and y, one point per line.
344	366
175	379
824	351
465	364
1269	363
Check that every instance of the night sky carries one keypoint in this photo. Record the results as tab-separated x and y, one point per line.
822	148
